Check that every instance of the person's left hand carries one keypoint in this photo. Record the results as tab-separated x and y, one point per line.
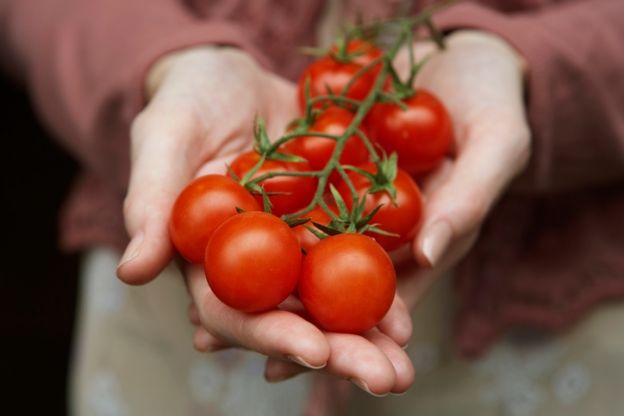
479	77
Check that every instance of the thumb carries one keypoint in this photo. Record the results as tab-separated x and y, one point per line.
160	168
458	201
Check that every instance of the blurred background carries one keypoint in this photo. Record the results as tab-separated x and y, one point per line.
39	284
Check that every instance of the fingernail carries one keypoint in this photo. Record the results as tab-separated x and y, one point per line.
301	361
437	238
361	384
133	250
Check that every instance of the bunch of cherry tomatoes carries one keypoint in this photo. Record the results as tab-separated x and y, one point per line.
315	212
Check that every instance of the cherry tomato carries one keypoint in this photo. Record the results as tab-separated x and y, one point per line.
331	73
421	135
252	261
402	219
291	192
347	283
201	207
318	150
307	240
360	52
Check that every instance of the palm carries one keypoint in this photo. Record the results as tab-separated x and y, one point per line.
478	77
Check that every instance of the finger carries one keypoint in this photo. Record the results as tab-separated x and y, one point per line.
355	358
403	368
276	370
160	168
204	341
413	286
275	333
282	106
397	324
492	155
193	314
216	166
363	360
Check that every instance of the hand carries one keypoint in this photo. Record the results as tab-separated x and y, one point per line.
202	106
374	361
479	77
203	103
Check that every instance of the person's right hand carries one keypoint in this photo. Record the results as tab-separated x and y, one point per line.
203	102
201	111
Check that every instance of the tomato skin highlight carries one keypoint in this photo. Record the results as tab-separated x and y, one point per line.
203	205
421	135
403	218
294	192
318	150
347	283
252	261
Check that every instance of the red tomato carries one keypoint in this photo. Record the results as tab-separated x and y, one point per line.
201	207
318	150
329	72
292	192
402	219
252	261
421	135
307	240
347	283
361	52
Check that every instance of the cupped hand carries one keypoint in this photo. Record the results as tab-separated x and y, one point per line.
479	77
374	361
203	102
201	111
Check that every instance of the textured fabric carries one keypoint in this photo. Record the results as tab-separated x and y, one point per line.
553	247
133	355
550	250
526	373
129	361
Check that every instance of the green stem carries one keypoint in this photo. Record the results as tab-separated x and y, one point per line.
347	180
270	175
247	178
328	210
337	98
376	94
289	136
367	104
369	146
359	74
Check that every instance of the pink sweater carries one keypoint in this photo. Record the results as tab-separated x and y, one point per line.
545	256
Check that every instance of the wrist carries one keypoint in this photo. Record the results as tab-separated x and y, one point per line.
167	63
480	39
160	68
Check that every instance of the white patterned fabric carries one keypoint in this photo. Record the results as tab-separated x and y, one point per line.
134	357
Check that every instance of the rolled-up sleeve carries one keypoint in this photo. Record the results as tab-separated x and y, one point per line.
84	63
575	85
